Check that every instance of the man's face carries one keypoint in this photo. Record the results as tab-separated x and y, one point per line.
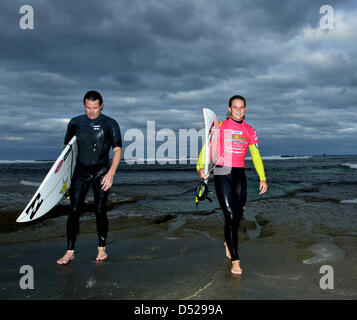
92	108
237	110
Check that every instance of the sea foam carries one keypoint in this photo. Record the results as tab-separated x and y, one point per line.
281	157
350	165
349	201
324	252
24	161
30	183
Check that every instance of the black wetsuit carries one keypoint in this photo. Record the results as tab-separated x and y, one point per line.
231	190
95	138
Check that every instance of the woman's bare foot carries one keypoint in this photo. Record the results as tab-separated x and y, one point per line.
101	254
236	269
67	258
228	255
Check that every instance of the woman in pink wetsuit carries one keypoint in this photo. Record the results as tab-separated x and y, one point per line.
236	136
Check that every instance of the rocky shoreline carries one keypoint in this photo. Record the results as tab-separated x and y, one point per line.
281	255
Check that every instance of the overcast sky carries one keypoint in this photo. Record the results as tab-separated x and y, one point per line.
163	61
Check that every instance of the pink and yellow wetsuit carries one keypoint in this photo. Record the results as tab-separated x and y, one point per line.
235	138
234	141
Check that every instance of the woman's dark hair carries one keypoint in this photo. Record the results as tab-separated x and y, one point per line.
236	97
92	96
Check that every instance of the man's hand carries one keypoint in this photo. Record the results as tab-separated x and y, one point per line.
107	181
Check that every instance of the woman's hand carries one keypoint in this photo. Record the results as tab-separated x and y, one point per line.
201	172
263	187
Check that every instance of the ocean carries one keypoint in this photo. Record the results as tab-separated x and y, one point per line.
154	191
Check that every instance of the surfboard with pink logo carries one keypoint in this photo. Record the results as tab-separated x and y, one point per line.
54	186
211	127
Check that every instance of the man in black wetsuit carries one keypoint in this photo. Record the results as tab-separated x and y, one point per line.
96	135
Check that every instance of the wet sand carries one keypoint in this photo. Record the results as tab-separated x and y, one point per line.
182	258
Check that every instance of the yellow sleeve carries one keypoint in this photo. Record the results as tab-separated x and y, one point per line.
201	159
257	161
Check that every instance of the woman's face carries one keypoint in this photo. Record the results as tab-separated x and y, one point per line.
237	110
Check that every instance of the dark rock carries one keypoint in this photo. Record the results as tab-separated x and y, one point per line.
267	231
242	236
261	220
248	224
163	219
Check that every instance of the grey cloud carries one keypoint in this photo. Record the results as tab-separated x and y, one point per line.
151	58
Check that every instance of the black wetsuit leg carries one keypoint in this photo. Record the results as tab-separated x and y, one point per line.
231	190
100	198
78	191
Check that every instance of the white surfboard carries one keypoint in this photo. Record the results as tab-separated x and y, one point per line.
211	131
54	186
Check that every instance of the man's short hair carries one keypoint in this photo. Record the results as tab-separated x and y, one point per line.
92	96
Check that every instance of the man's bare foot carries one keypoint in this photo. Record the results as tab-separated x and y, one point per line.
236	269
228	255
68	256
101	254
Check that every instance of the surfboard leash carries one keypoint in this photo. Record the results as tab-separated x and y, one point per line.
201	190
